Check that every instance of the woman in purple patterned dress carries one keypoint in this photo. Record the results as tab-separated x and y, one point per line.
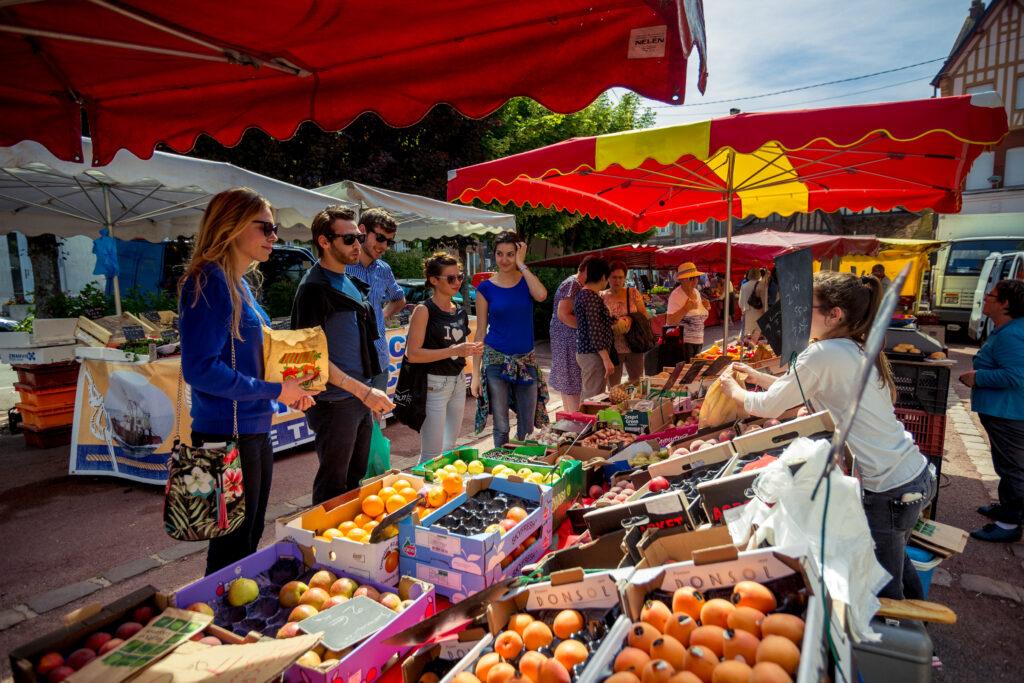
565	375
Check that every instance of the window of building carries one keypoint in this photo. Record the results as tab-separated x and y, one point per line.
981	171
1013	172
1018	100
981	87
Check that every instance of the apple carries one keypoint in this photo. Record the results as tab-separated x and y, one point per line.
143	614
726	435
242	592
391	601
96	640
322	579
291	592
302	612
596	491
333	601
367	591
310	658
289	630
210	640
49	662
127	630
200	607
658	484
344	586
59	674
315	597
80	657
111	644
507	524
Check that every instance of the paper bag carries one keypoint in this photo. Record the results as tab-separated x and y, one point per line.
296	354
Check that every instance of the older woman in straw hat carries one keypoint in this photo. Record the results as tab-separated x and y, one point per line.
688	311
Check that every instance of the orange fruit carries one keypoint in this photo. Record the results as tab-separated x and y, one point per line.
333	533
346	527
394	503
424	512
399	484
452	484
361	519
380	517
536	635
436	497
370	526
409	495
373	506
386	492
517	514
358	535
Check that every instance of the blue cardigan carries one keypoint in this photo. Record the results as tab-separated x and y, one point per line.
999	378
206	360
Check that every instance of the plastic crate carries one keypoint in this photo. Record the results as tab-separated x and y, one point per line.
928	429
46	418
921	386
52	397
49	375
47	438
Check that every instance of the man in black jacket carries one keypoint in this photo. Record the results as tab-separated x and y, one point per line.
343	414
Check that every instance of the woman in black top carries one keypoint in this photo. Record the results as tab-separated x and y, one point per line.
594	338
439	339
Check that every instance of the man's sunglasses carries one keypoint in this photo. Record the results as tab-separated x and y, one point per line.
348	238
381	237
452	279
268	228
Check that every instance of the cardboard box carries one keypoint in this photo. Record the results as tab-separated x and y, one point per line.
442	657
638	419
659	547
603	553
663	509
45	332
366	659
782	569
941	539
596	595
375	561
678	464
460	565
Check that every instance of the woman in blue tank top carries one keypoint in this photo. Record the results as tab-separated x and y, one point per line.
508	374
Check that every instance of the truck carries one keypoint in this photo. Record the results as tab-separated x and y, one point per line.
957	270
998	266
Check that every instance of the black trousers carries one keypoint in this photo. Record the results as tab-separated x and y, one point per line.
257	473
343	430
1007	440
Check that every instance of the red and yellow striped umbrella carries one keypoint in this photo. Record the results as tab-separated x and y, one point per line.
912	154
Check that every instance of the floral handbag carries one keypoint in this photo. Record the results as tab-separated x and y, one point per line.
204	497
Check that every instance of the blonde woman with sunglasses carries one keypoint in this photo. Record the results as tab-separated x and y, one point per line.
221	328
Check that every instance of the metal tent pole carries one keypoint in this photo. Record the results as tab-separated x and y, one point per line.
727	312
109	225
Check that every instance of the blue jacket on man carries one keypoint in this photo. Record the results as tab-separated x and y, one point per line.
999	373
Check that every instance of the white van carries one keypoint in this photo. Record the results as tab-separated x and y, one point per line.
997	266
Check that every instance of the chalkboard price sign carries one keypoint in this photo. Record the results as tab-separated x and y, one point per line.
771	327
795	272
133	333
348	623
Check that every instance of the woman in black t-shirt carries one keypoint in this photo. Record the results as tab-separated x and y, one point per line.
439	340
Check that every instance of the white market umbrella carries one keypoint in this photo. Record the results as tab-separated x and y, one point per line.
421	218
153	199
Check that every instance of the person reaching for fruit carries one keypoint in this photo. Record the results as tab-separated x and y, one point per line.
897	480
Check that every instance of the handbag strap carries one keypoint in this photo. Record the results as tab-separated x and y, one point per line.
180	392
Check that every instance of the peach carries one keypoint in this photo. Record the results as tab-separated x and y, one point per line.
59	674
322	579
49	662
302	612
97	640
127	630
566	623
530	664
537	635
519	622
290	593
80	657
391	601
109	645
309	658
552	671
367	591
570	653
315	597
343	586
508	644
502	672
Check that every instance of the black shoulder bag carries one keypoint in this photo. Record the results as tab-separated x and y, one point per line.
640	337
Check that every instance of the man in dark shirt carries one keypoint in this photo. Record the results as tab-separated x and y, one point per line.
327	297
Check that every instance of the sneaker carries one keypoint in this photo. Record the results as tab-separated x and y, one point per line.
993	533
991	510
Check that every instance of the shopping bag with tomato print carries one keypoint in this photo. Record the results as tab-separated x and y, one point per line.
296	354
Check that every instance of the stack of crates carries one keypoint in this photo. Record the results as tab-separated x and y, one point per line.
922	390
47	404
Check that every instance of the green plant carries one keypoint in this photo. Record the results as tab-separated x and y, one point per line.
25	325
91	302
139	302
406	264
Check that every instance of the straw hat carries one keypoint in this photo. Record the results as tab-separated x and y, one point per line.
687	269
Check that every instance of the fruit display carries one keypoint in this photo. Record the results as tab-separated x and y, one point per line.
741	634
686	483
642	460
464	466
759	353
551	435
718	407
488	511
608	438
603	496
550	646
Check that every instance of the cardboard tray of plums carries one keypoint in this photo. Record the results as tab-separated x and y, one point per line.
686	483
555	645
748	632
488	508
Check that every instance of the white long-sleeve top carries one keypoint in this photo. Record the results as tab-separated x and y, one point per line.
885	452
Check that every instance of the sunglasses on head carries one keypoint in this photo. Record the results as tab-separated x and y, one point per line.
381	237
452	279
269	228
348	238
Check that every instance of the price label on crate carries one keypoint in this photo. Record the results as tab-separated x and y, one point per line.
133	333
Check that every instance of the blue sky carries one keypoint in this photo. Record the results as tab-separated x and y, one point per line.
758	46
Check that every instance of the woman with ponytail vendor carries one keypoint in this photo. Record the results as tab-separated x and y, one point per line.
897	481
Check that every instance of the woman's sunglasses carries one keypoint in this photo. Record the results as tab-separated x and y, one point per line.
452	279
348	238
381	237
268	228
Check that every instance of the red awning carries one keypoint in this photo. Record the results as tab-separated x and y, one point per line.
759	249
633	255
912	154
152	71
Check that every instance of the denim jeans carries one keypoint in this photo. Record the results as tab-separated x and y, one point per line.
445	406
891	521
257	473
526	404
